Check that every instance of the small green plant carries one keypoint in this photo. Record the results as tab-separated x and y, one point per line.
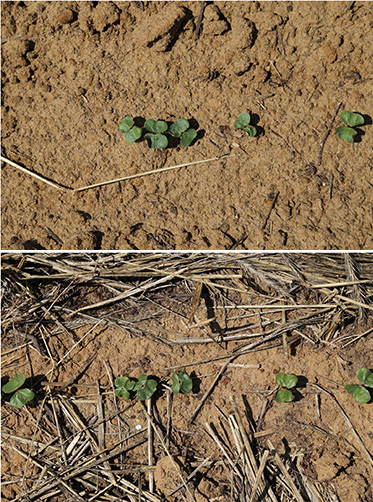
145	387
156	132
132	133
347	132
284	395
182	382
123	386
360	392
155	136
243	122
21	396
180	129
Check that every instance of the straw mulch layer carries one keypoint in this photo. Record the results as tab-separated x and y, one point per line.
74	322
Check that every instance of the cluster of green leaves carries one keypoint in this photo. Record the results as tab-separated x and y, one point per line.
347	132
181	382
145	387
156	132
21	396
286	382
360	392
243	122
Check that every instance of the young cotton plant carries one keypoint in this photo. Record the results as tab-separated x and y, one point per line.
360	392
181	383
347	132
180	129
156	131
155	136
144	387
131	132
243	122
21	396
287	382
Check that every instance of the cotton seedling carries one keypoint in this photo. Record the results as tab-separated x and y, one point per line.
180	129
284	395
122	387
361	392
20	396
131	132
347	132
145	387
243	122
181	382
155	137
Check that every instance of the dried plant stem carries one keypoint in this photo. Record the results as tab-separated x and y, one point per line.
259	475
284	472
34	175
150	445
325	137
368	455
191	475
117	180
210	389
159	435
154	171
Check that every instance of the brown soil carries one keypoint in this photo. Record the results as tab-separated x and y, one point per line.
73	70
323	448
311	430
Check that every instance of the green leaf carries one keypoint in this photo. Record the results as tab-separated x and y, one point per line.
351	119
124	382
187	137
361	395
365	376
133	134
21	397
156	126
346	133
242	121
140	381
250	130
126	124
182	381
145	388
283	396
14	383
178	127
156	140
122	392
285	380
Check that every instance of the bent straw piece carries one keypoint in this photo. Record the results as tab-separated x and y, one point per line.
37	176
154	171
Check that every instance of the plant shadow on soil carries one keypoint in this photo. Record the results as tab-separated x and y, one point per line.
361	132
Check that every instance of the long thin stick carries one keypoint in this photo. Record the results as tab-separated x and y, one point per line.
364	449
284	471
117	180
147	173
37	176
150	446
210	389
259	475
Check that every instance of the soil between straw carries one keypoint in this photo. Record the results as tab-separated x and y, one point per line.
322	448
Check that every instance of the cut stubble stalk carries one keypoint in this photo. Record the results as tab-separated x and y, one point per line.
117	180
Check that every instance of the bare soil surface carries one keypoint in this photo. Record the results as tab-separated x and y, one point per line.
324	436
72	70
